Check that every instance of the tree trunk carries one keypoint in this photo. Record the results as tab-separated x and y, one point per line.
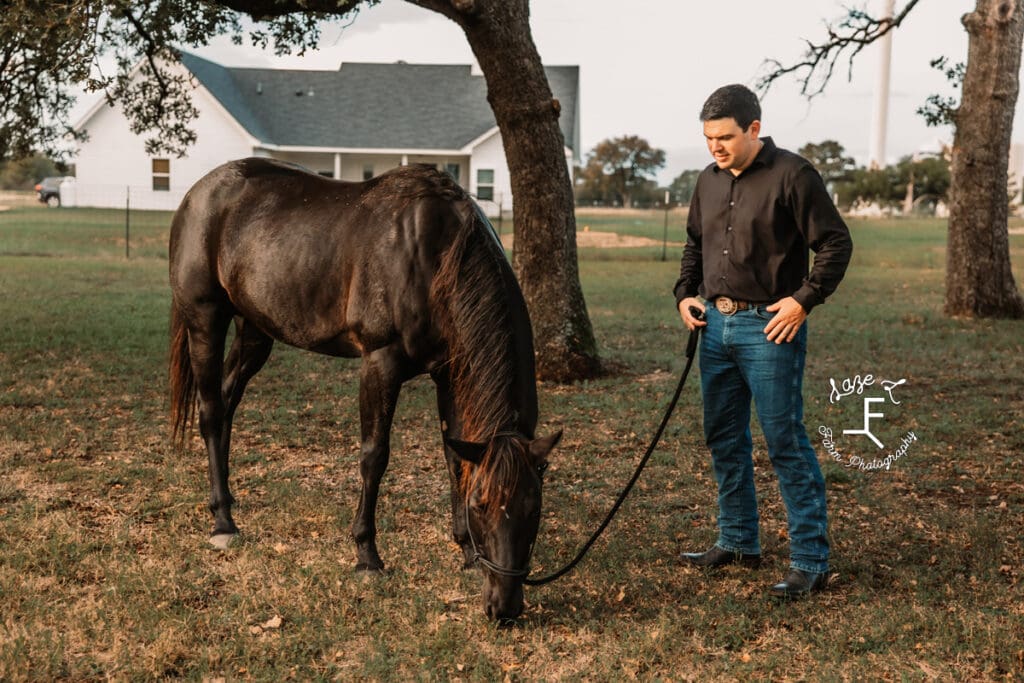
979	280
544	220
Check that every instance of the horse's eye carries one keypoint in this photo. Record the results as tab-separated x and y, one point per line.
542	468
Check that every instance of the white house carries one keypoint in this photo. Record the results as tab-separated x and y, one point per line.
349	124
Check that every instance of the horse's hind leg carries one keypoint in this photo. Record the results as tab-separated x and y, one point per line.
380	380
249	351
207	331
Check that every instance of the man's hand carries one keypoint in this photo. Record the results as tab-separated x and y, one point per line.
684	313
787	321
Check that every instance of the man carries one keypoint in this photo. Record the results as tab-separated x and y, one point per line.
755	212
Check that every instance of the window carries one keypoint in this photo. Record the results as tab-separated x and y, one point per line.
452	170
367	171
485	184
161	175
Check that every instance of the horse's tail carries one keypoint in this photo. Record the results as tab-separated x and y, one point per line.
182	382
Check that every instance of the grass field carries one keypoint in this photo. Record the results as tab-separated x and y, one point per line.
105	572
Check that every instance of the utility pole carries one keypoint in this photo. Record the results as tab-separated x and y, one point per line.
880	122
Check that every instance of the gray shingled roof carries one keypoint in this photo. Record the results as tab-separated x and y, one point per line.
369	106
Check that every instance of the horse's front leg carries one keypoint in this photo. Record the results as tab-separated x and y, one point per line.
380	380
451	427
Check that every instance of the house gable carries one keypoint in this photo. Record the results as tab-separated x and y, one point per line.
369	106
347	124
113	167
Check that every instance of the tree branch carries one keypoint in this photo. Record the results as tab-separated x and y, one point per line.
263	10
452	9
151	51
855	32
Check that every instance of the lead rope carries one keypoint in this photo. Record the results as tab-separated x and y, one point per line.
691	348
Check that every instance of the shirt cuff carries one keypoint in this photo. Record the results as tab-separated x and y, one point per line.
681	293
807	297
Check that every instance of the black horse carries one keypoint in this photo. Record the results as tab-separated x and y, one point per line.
403	271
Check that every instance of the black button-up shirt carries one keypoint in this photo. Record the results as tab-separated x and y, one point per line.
748	235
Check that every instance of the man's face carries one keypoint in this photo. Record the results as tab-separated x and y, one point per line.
732	147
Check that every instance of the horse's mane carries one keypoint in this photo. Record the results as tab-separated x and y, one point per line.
477	324
475	319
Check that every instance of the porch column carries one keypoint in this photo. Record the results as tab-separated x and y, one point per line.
405	160
337	165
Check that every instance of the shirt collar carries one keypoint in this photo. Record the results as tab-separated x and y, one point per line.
767	154
765	157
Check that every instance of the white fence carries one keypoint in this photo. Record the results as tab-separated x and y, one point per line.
137	197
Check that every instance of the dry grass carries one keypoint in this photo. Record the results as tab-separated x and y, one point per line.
11	199
105	573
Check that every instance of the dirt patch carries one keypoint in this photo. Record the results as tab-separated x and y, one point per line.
619	212
11	199
602	240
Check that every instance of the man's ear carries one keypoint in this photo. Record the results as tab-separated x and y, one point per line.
467	450
542	446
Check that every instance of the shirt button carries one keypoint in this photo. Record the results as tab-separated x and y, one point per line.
732	203
725	251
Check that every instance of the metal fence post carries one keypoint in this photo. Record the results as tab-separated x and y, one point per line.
127	220
664	239
501	214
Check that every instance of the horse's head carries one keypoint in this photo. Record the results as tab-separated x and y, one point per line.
501	493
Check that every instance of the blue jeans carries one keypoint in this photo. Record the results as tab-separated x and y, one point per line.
737	364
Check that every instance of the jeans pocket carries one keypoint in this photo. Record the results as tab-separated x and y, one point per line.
762	312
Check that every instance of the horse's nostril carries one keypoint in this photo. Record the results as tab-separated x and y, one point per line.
509	614
502	613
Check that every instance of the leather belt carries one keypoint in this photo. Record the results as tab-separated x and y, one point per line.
727	306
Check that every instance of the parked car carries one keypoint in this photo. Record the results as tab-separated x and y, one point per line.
49	191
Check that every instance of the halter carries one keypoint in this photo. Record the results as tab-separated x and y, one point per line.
479	557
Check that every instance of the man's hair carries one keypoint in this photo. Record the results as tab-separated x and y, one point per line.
732	101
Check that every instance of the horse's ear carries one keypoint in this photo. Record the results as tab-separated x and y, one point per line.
467	450
541	447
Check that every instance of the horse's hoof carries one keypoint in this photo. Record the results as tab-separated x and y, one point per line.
222	541
368	569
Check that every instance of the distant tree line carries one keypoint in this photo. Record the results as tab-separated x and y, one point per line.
916	183
23	174
620	172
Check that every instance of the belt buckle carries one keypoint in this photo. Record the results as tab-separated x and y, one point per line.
726	306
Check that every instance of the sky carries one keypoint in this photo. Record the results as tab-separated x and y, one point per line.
647	66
